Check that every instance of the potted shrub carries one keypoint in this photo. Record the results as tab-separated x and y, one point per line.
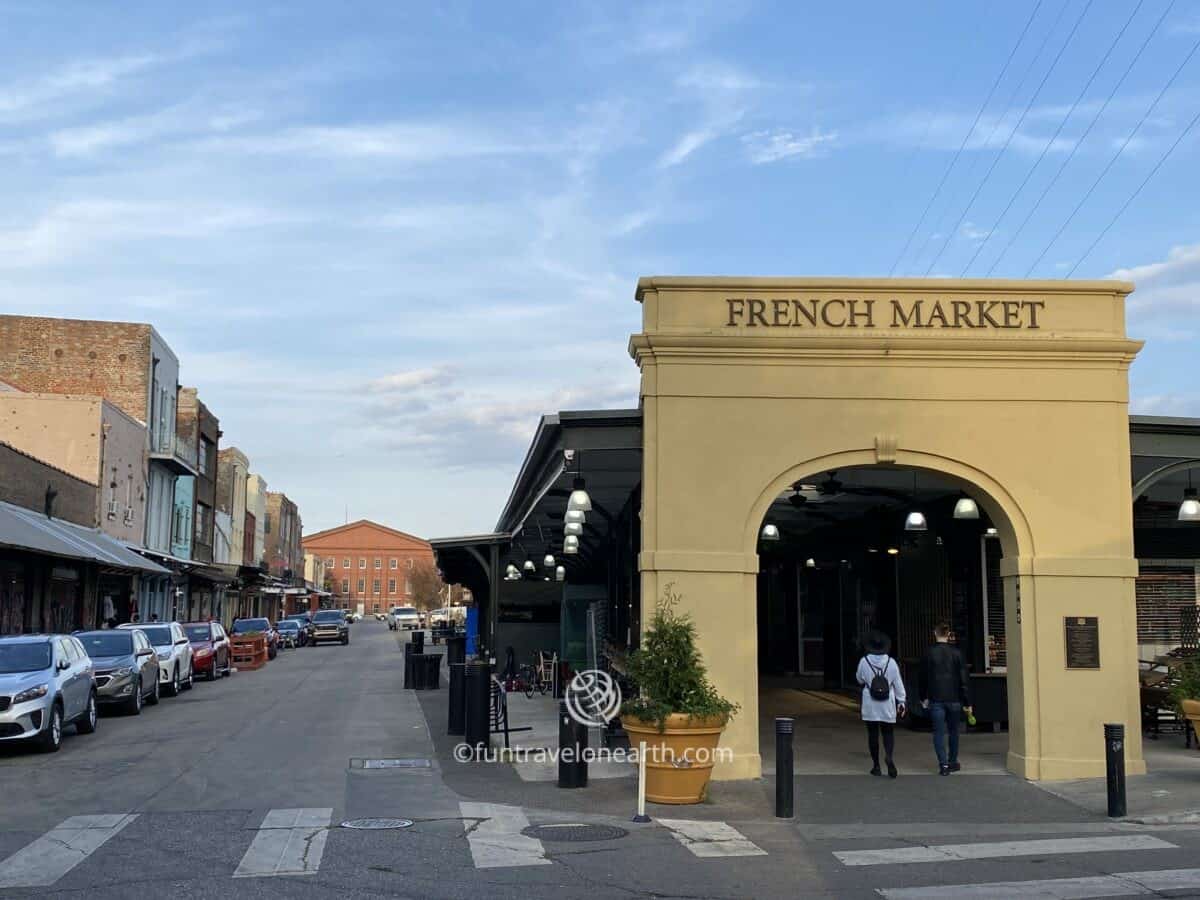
677	714
1186	693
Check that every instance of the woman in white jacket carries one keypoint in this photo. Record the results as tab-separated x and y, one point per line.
880	712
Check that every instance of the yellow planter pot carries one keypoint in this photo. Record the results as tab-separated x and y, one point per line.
679	760
1191	709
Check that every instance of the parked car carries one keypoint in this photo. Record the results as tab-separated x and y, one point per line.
306	626
404	617
210	648
330	625
174	652
46	683
290	632
261	626
126	668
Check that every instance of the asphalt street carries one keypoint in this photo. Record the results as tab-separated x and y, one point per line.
240	788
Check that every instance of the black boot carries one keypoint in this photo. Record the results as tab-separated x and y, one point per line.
892	772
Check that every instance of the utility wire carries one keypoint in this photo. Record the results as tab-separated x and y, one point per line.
1050	143
1133	196
1115	157
936	229
1083	137
987	175
937	191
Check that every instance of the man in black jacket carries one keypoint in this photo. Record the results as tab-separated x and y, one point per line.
944	692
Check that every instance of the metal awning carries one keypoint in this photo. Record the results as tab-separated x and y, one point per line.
176	561
24	529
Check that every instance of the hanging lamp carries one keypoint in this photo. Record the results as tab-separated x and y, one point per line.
560	574
915	520
576	516
1189	509
770	532
966	508
579	498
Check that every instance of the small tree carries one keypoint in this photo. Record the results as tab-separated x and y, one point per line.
427	586
669	674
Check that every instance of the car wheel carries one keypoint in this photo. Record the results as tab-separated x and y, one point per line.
173	689
346	641
134	707
191	679
87	722
152	700
51	739
214	673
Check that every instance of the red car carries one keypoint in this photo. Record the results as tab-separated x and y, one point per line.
210	648
261	626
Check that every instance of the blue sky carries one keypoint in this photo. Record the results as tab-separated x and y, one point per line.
383	238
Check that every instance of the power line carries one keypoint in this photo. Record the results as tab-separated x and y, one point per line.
937	191
1133	196
987	175
1083	137
1116	156
936	231
1050	143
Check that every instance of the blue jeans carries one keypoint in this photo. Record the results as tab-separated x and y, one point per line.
945	718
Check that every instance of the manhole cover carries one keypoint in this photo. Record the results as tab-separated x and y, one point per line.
574	832
389	764
377	824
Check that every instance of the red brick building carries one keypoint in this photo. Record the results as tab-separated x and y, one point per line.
369	563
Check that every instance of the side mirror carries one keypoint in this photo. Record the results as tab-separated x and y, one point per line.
145	651
63	665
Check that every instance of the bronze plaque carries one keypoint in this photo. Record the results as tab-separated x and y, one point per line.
1083	642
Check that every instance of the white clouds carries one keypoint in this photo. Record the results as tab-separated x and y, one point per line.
687	144
973	232
37	96
774	146
1165	289
412	379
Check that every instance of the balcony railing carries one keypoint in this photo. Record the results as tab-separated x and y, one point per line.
180	458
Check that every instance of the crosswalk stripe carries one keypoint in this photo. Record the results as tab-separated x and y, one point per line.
998	849
60	849
288	842
1121	884
709	839
494	835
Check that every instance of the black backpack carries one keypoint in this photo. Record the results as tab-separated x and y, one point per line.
880	688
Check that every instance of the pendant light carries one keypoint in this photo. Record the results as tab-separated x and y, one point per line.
560	574
548	560
511	572
810	563
529	566
966	508
573	528
991	532
770	532
915	520
579	498
893	551
570	545
575	516
1189	509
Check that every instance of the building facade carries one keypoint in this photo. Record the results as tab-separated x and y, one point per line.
368	565
233	469
281	533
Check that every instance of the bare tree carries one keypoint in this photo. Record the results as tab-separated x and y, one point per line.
428	589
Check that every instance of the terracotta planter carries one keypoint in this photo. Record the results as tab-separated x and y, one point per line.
679	760
1191	709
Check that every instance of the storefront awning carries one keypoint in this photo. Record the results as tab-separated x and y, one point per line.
24	529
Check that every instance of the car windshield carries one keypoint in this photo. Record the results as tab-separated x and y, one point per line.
24	657
405	611
289	625
245	626
329	615
107	643
159	635
296	617
199	632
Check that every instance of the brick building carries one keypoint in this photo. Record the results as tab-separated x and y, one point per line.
368	565
199	431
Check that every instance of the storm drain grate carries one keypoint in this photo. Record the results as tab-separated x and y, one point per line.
574	831
389	764
377	824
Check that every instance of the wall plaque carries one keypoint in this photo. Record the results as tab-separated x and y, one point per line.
1083	642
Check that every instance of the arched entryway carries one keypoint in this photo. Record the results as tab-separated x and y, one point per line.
1016	391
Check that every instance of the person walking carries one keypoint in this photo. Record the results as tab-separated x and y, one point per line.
945	693
883	699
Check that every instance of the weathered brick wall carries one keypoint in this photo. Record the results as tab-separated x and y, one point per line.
23	482
76	356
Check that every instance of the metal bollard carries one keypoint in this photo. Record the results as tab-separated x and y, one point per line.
418	640
785	787
1114	765
477	724
572	742
456	719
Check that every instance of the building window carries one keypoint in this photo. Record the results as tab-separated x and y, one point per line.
345	585
345	562
409	562
378	563
202	459
330	562
267	524
375	585
362	585
391	585
392	563
362	562
202	523
408	586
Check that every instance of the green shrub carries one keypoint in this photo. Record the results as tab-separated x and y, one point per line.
1188	687
668	672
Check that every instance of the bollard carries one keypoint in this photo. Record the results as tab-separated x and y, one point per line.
1114	764
409	678
572	742
457	716
418	640
477	721
785	787
456	650
640	817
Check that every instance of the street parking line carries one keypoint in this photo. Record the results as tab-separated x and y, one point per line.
288	842
711	839
1121	884
1000	849
494	835
59	850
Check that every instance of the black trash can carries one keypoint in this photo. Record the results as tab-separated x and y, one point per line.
478	705
457	716
427	668
418	641
456	650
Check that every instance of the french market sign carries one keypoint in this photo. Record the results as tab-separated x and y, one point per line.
836	312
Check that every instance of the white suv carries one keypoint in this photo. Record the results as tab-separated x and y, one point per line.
405	617
174	654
